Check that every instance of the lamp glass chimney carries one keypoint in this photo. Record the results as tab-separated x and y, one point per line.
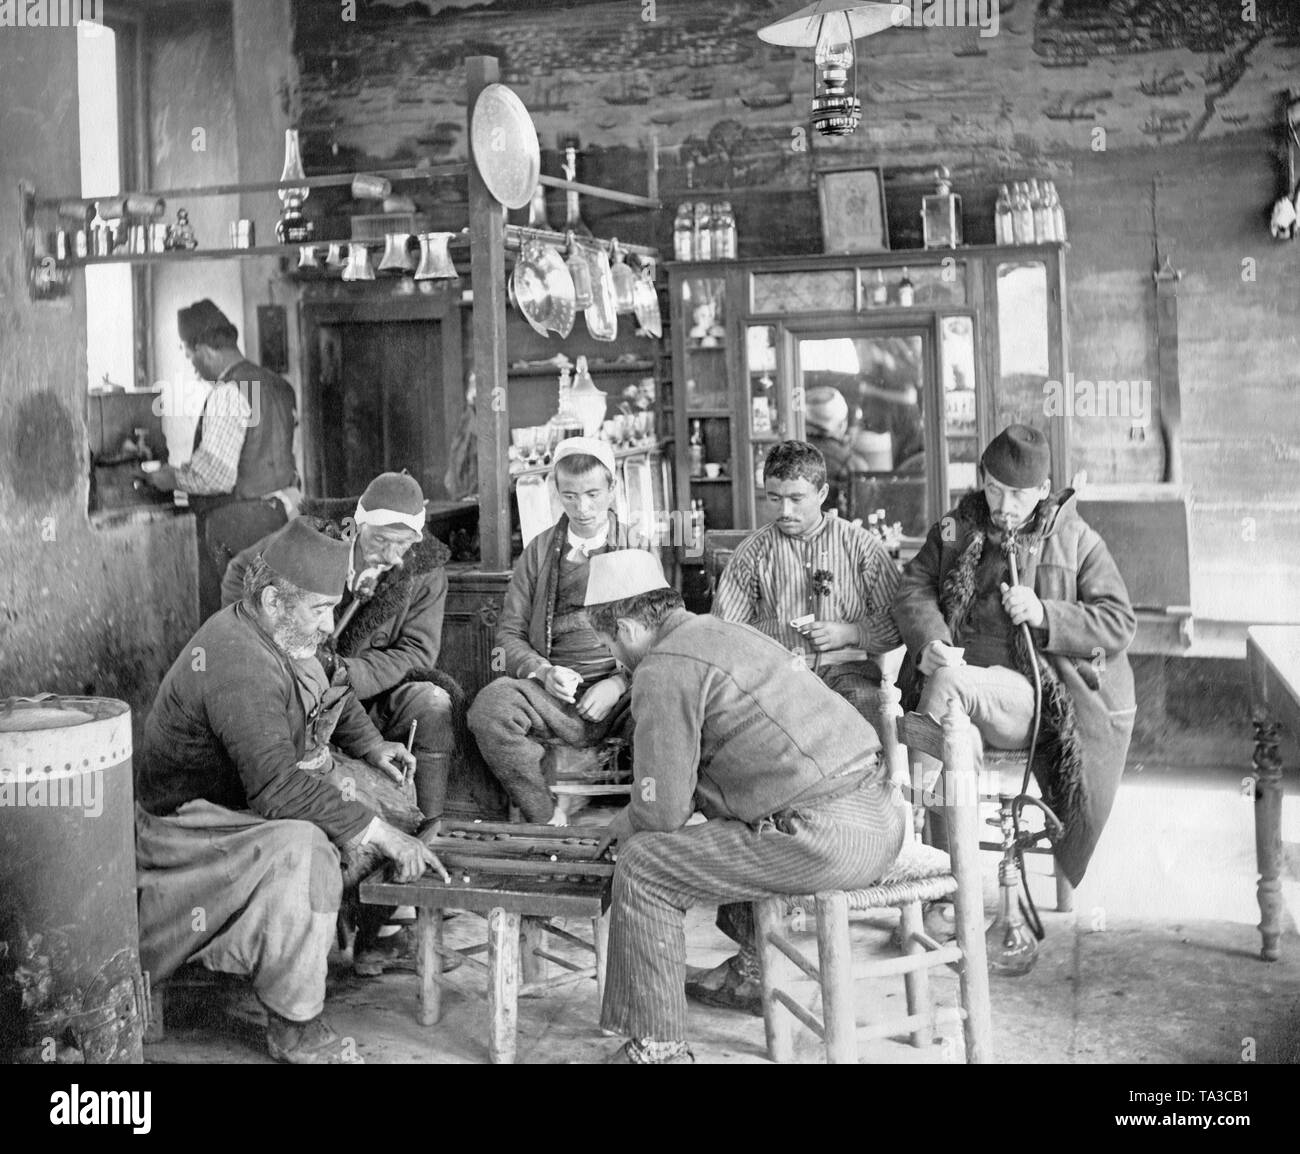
834	43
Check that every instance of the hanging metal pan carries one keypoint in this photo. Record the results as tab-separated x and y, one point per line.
504	141
602	317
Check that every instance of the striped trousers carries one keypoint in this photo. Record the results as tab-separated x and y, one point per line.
839	844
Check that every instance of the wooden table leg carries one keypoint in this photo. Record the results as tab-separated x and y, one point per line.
428	963
503	985
1268	831
531	937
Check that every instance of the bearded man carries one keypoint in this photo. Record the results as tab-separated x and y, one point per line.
242	815
960	613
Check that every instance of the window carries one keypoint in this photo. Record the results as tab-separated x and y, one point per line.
105	98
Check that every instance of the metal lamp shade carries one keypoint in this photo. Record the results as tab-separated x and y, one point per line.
801	29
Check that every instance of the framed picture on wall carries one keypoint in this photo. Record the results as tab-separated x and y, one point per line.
853	210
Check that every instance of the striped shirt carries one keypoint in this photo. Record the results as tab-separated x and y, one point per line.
214	467
769	581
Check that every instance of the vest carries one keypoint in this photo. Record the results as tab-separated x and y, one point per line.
266	458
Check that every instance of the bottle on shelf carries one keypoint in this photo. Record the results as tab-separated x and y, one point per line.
684	232
702	239
1042	219
895	540
1002	228
1022	215
1058	211
697	523
724	231
695	450
879	290
872	525
906	290
880	523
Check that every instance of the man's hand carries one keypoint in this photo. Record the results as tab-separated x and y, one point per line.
409	855
601	698
393	759
562	683
163	479
828	635
937	655
1022	605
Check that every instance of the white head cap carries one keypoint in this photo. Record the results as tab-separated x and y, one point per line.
621	574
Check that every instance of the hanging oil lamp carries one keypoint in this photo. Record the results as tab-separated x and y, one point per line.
829	27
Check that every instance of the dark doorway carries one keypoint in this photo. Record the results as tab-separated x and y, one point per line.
384	391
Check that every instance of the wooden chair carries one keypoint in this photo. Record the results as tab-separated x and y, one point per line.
921	873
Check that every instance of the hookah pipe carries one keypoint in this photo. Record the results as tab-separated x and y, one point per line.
1010	951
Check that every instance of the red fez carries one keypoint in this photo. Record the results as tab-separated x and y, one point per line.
307	558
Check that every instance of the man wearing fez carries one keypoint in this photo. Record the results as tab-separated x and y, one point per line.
787	773
241	813
561	686
241	479
389	627
960	616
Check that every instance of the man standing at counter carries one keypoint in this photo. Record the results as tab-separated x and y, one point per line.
787	773
239	828
241	480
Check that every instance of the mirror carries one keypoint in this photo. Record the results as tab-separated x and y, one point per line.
1023	346
863	408
957	358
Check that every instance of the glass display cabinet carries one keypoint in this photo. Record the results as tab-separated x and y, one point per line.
933	352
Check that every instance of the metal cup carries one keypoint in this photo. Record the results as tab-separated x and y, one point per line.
336	256
368	187
307	256
435	260
359	267
158	237
242	234
397	258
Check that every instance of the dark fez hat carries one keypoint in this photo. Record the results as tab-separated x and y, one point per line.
305	557
1018	456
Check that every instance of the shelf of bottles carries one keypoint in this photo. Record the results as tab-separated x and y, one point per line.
703	320
1028	212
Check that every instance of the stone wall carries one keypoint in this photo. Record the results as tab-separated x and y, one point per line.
1157	120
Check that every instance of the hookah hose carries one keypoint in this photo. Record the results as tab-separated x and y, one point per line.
1027	907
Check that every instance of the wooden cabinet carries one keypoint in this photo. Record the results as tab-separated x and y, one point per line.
933	352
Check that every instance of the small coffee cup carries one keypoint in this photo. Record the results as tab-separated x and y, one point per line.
711	470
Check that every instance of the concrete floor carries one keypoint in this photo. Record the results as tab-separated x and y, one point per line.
1158	964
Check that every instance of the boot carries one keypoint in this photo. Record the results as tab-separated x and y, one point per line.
431	773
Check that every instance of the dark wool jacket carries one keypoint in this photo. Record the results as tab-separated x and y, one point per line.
228	726
393	637
1088	702
524	630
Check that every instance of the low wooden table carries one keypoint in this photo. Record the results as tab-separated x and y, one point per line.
515	907
1273	665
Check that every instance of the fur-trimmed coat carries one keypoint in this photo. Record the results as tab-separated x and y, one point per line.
1088	702
393	637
